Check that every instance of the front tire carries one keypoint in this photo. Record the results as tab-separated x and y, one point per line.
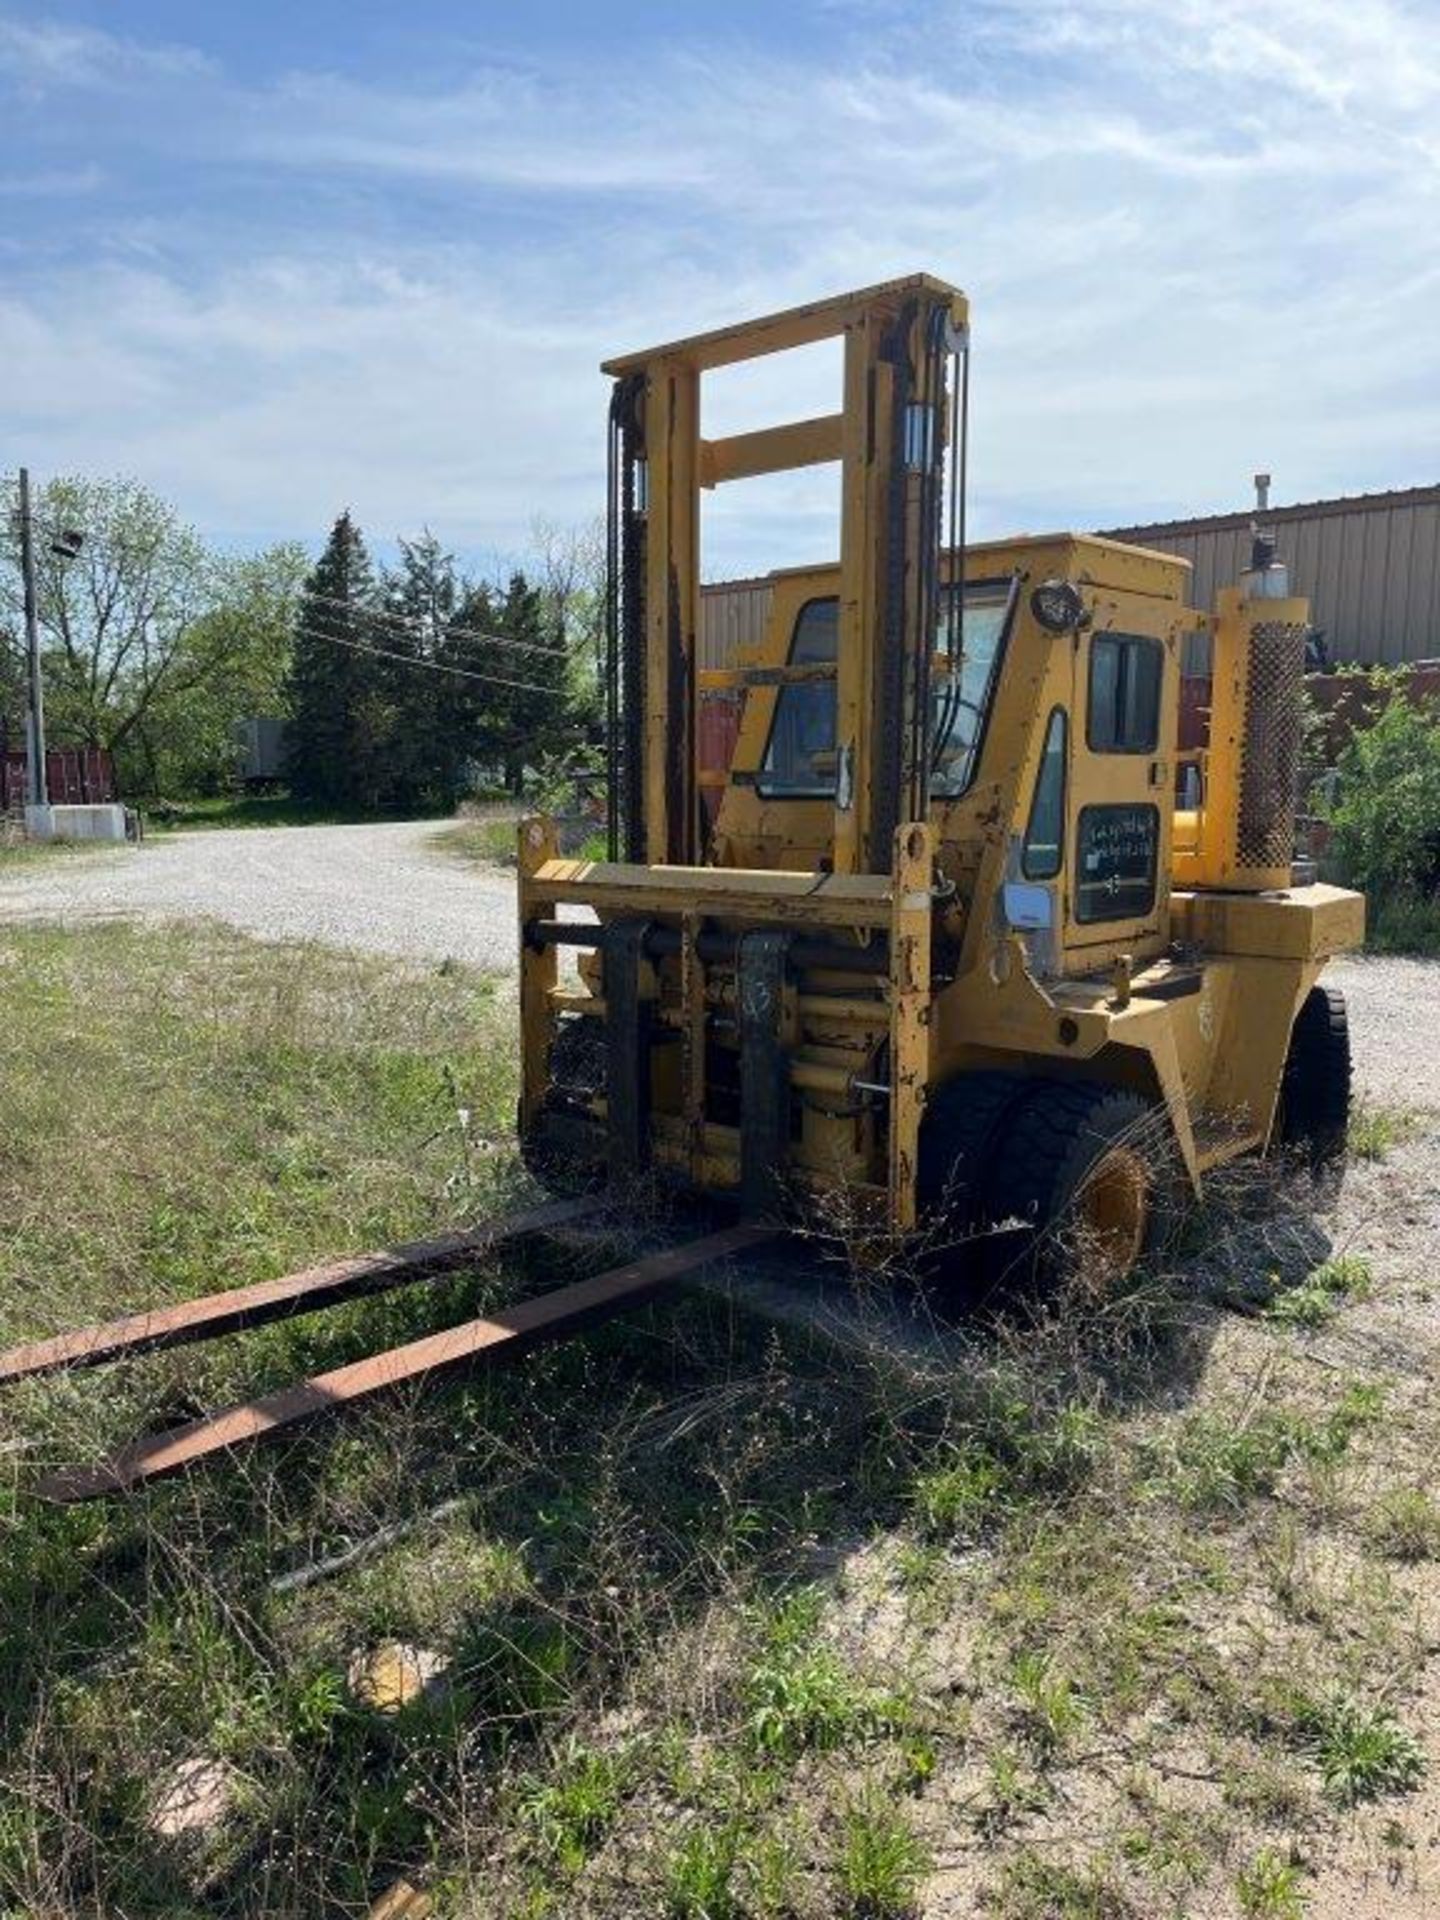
1081	1168
960	1127
562	1151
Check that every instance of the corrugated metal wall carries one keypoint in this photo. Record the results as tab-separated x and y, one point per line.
732	615
1370	567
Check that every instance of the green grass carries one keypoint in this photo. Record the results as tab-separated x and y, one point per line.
1404	1524
483	843
492	842
1403	923
1361	1749
1319	1297
571	1807
22	856
735	1628
700	1874
1375	1131
1269	1887
247	810
801	1695
881	1863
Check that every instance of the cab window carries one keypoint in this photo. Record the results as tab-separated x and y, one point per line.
960	702
1043	850
1116	848
799	758
1123	713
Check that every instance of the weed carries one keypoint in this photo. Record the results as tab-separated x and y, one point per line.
570	1812
1174	1848
1268	1787
1011	1791
1361	1749
772	1869
800	1695
1317	1299
881	1860
1032	1888
1374	1130
960	1500
1053	1711
1215	1462
699	1874
920	1569
319	1703
918	1761
1268	1888
1405	1525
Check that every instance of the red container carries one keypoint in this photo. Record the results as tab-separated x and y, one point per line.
75	776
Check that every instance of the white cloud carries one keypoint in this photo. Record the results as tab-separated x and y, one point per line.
47	54
1196	238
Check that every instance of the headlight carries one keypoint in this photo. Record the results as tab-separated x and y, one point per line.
1058	606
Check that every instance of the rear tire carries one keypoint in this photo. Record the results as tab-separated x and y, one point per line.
1081	1167
1315	1090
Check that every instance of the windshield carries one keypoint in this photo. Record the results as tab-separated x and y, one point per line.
799	758
960	701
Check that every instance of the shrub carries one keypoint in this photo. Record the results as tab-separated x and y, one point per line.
1385	820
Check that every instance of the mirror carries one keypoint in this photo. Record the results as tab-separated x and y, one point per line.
1027	908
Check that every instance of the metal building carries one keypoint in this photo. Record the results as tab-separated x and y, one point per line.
1369	565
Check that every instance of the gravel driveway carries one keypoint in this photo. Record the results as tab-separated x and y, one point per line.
384	889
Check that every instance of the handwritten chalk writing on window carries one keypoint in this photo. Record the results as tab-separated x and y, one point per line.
1117	848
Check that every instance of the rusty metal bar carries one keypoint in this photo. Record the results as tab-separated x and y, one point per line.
504	1335
290	1293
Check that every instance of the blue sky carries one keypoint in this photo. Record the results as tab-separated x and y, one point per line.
276	260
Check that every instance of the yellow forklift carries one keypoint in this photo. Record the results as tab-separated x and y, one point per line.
969	935
971	955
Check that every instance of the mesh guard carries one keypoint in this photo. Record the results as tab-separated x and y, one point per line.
1270	751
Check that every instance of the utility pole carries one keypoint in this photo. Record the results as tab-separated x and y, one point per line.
35	728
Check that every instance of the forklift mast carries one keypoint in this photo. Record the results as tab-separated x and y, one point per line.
899	437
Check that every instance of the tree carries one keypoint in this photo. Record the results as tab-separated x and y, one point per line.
528	712
570	563
337	693
427	747
116	622
190	739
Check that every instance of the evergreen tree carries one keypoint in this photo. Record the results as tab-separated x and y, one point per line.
421	599
469	731
534	717
335	686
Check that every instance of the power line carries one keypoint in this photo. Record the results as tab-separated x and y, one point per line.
431	666
386	616
409	624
